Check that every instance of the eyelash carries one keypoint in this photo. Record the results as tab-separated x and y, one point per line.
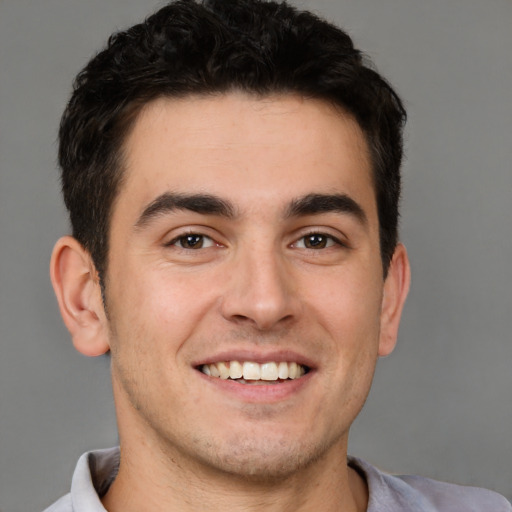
329	240
182	237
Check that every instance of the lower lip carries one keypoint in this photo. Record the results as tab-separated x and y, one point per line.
262	393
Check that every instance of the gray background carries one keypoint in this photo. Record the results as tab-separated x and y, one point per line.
442	404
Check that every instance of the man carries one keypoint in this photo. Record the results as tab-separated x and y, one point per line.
232	173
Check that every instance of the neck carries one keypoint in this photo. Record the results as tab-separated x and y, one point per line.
160	473
150	479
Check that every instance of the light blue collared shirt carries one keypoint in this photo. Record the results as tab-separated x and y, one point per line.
95	472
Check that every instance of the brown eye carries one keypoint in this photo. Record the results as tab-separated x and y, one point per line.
192	241
316	241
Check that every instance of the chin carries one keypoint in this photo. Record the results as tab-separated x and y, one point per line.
263	460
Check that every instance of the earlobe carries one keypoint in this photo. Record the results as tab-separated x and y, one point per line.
76	285
396	288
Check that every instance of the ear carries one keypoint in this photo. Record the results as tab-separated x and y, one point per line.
76	284
396	287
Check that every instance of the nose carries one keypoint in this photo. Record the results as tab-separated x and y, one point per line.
260	291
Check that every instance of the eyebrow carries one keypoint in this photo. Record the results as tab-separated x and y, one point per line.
204	204
207	204
315	204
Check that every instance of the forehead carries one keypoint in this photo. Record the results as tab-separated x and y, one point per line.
241	146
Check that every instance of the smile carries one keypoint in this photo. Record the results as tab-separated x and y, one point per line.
250	371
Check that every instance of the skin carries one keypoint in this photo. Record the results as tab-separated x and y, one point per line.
252	289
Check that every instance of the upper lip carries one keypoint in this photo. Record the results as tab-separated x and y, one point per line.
259	357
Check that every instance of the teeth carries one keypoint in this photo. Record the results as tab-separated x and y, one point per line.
283	370
251	371
235	370
269	371
214	371
223	370
292	371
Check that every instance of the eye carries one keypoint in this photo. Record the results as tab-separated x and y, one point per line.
192	241
316	241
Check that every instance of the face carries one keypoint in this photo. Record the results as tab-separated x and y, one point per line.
244	288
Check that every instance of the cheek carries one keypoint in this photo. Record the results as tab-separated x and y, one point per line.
157	309
150	319
348	310
348	304
176	303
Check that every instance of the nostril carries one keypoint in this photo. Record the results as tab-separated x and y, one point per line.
240	317
261	323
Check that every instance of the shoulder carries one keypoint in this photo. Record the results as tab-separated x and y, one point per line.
94	473
451	497
64	504
393	493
